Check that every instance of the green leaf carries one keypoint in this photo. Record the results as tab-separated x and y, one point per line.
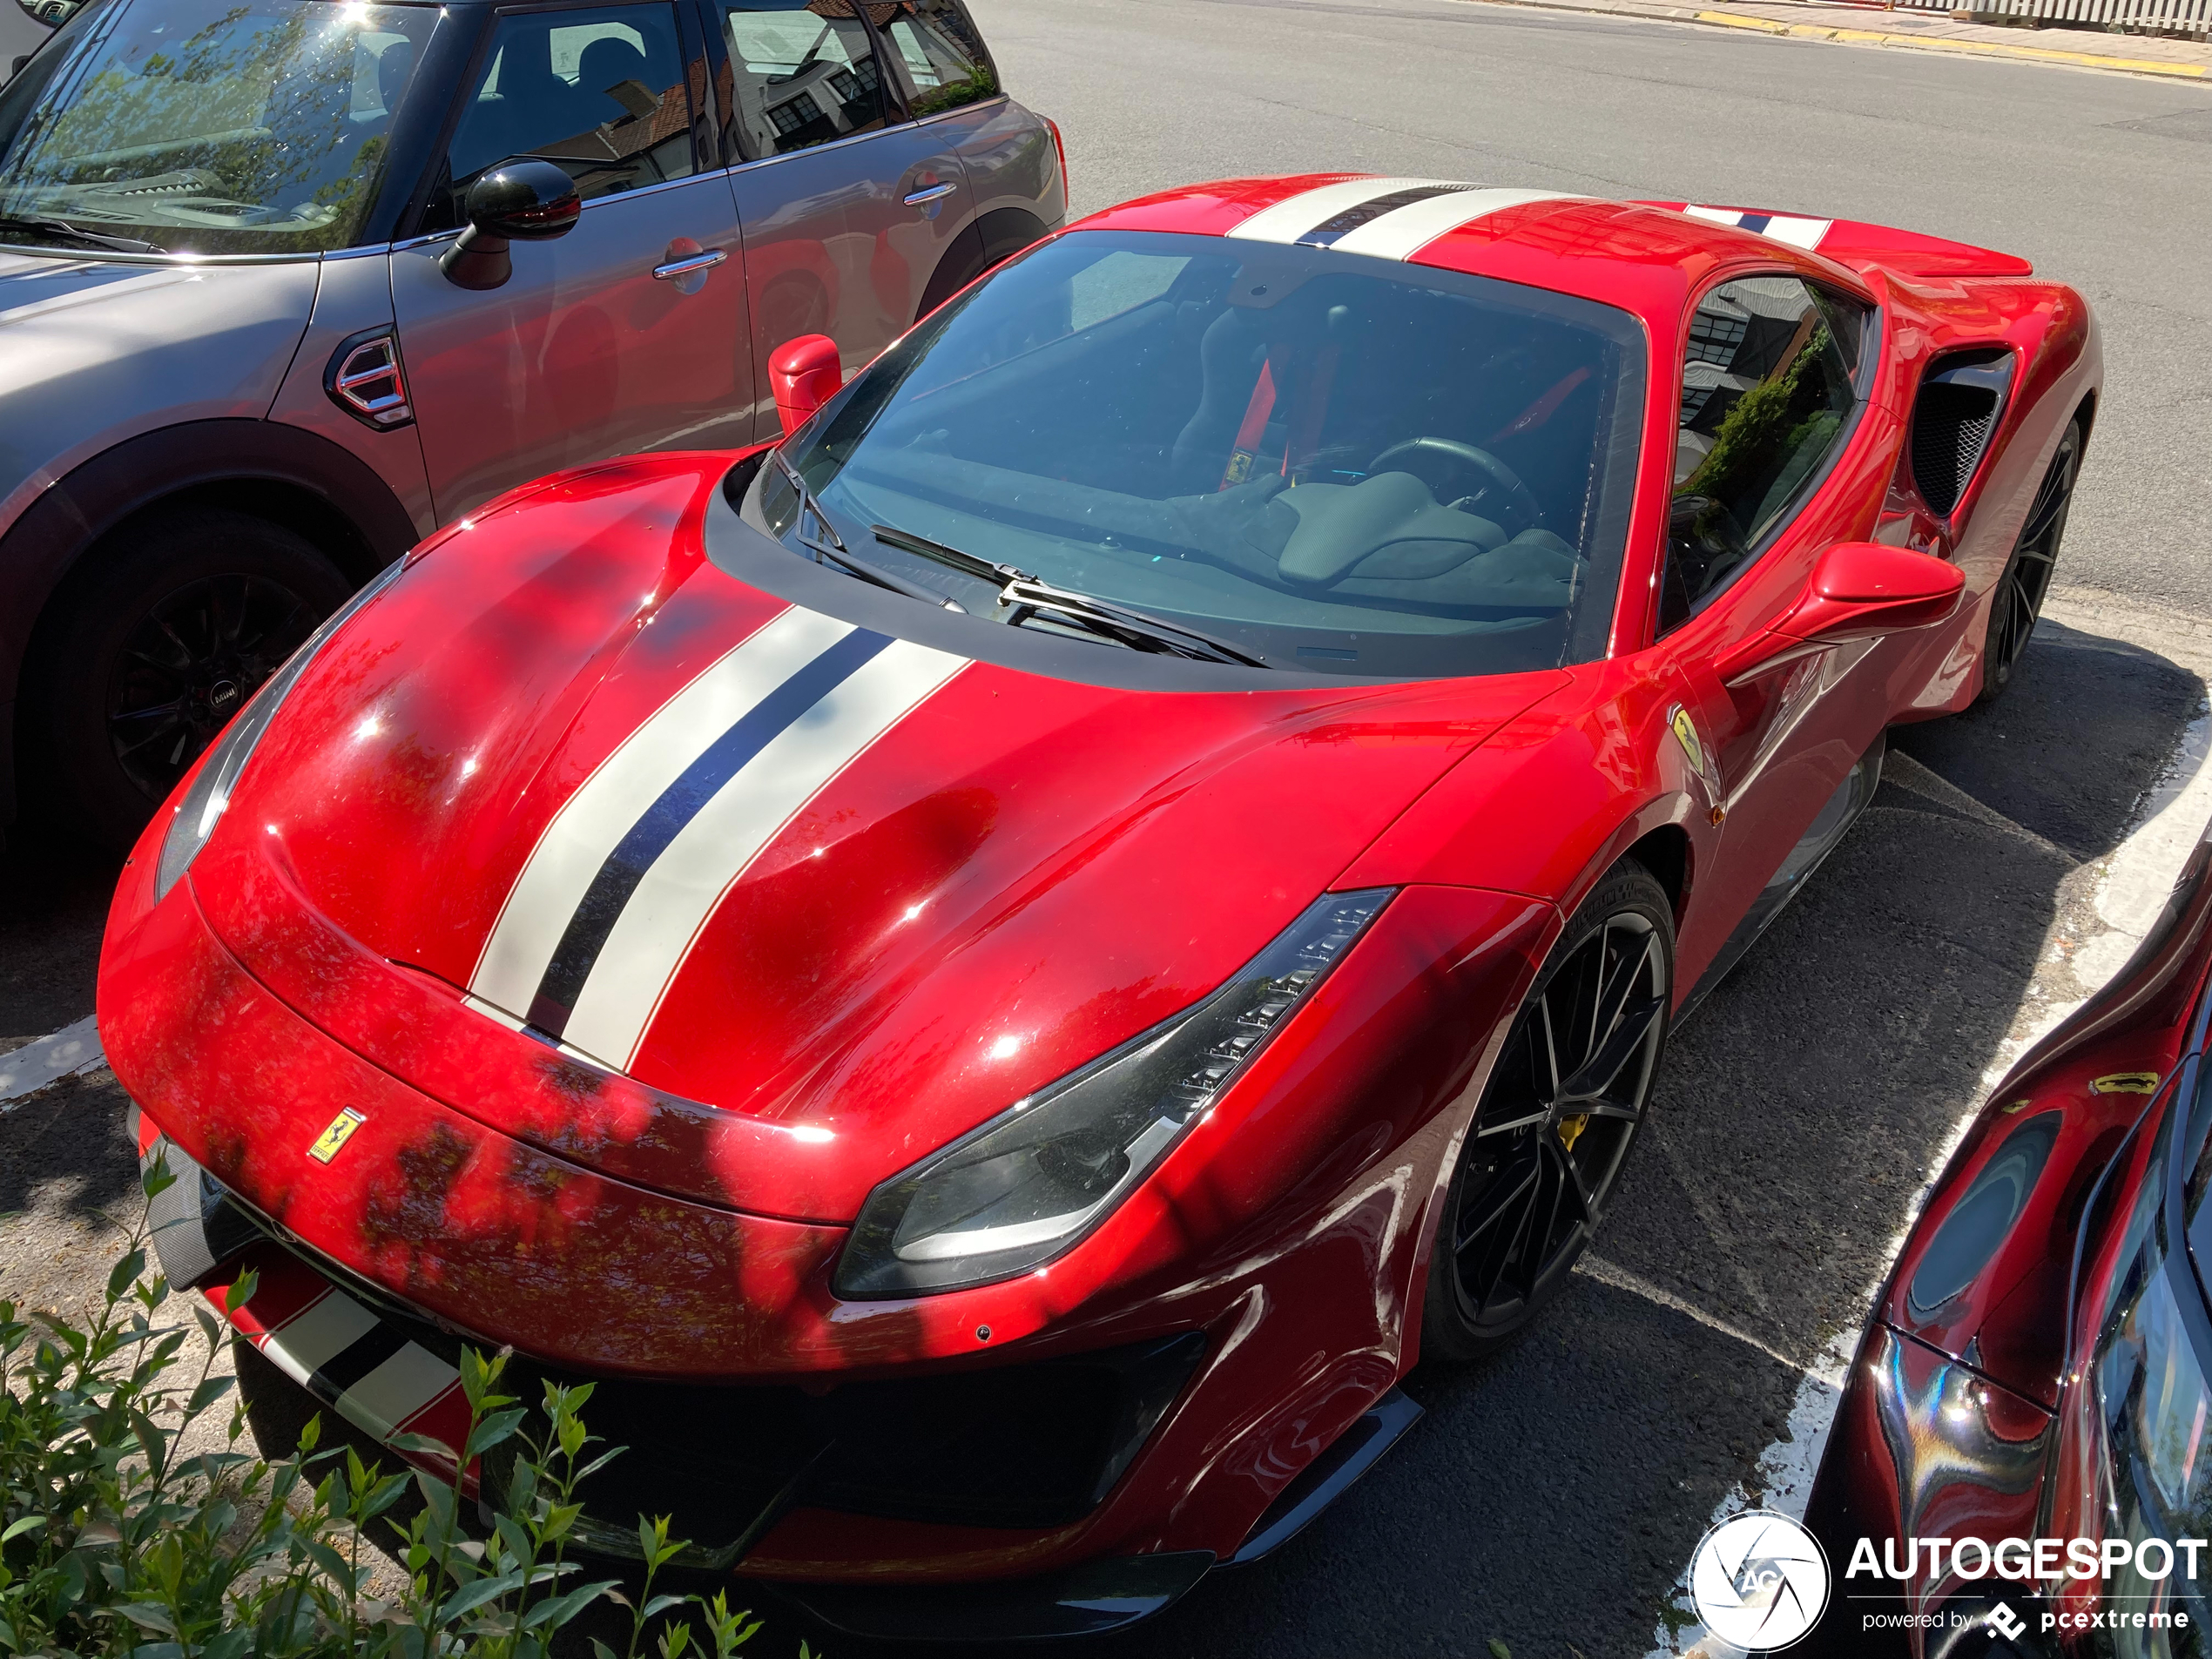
24	1526
156	1177
125	1272
1499	1650
423	1446
556	1611
494	1429
472	1596
150	1615
241	1291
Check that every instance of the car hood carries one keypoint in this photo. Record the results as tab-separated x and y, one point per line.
742	858
97	349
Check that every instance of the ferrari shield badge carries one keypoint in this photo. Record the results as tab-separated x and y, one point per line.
332	1140
1685	730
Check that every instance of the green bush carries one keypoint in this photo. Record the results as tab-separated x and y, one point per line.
115	1540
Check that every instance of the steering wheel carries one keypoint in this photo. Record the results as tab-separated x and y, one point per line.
1452	453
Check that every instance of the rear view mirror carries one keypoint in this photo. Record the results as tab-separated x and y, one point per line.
805	374
50	14
525	201
1858	590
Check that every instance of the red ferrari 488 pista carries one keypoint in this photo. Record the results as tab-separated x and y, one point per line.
997	973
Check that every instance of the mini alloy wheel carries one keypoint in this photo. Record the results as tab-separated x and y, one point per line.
156	642
189	666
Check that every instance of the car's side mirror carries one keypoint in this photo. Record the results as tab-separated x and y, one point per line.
524	200
805	374
1858	590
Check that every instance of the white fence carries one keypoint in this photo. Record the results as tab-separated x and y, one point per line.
2185	17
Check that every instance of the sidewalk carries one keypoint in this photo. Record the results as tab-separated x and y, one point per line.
1922	31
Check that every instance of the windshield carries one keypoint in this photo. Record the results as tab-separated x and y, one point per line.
207	126
1329	463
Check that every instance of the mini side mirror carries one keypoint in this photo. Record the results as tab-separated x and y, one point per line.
1858	590
805	374
524	200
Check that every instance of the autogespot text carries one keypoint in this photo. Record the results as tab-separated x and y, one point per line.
2048	1560
2022	1559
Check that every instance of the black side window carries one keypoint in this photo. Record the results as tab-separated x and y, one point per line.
600	90
939	52
1766	389
802	73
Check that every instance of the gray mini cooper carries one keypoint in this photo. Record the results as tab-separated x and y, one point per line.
287	284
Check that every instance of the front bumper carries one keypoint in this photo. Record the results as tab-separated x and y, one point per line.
1022	1447
1297	1305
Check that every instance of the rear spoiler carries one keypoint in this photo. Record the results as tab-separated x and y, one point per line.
1855	243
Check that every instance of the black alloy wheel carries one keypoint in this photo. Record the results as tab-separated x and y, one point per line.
1562	1106
153	644
2019	599
190	664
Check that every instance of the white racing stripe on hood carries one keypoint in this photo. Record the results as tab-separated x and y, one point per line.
1328	216
592	821
1405	231
686	882
1295	216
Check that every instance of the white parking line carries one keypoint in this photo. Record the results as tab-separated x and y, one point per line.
26	1070
2133	884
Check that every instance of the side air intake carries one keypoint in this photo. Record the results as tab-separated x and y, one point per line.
1956	413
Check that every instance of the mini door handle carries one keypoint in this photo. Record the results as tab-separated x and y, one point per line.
935	192
678	268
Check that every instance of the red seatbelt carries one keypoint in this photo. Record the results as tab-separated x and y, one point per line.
1248	435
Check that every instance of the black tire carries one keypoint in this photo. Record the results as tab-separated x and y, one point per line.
151	645
1535	1174
2018	602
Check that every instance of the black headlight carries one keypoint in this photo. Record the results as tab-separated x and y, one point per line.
1038	1176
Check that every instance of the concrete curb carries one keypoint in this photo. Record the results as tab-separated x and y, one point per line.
1872	37
1981	48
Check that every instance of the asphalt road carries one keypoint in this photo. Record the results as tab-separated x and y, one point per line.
2102	180
1548	1500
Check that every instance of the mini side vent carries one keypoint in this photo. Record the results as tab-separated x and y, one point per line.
1960	399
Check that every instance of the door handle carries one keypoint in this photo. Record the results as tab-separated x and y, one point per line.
677	270
934	193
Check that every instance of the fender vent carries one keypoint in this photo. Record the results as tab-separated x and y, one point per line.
1961	397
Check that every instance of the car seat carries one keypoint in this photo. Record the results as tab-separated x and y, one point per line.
609	63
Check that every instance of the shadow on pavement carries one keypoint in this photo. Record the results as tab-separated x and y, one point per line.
53	904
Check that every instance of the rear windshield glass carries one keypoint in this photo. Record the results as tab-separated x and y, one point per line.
207	126
1334	462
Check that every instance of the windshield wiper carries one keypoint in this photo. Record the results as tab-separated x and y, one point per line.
66	231
829	548
1024	596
